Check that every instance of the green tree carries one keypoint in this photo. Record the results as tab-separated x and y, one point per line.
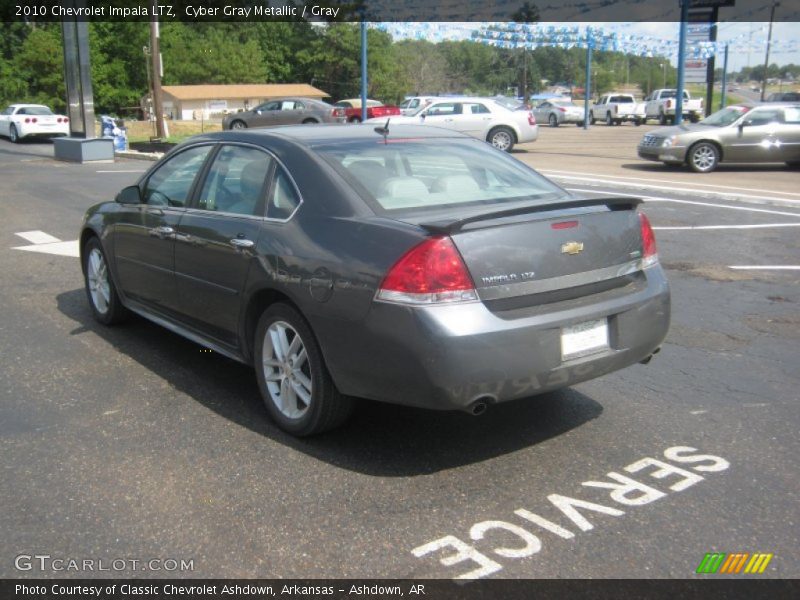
40	62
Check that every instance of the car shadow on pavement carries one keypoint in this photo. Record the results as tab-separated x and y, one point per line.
380	439
654	168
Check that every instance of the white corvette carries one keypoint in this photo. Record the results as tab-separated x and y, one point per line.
32	120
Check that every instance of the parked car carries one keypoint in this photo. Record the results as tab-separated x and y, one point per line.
415	266
616	108
483	118
352	109
736	134
661	105
19	121
556	111
414	104
784	97
285	111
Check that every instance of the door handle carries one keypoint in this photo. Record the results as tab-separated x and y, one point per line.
242	243
162	231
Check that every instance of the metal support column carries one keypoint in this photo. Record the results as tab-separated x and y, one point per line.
588	86
724	77
681	62
78	76
363	70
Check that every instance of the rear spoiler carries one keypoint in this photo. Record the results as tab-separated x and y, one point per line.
449	226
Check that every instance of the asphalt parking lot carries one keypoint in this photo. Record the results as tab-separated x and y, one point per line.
132	443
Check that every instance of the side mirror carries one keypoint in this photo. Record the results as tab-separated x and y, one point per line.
130	195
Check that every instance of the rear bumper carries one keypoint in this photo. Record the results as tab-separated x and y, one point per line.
38	131
446	357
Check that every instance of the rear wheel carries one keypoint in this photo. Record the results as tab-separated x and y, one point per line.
355	120
12	134
592	120
703	157
553	120
609	120
310	121
294	382
238	125
103	298
662	119
637	122
501	138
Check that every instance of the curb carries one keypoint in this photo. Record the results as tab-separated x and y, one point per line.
151	156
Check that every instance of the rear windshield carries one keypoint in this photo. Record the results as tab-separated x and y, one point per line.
35	110
621	99
413	175
673	94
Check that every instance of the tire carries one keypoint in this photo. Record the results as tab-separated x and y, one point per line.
637	122
553	120
592	120
355	120
501	138
662	119
106	306
310	121
298	392
238	124
13	135
609	120
694	118
703	157
793	164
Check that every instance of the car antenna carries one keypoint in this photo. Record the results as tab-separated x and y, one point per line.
384	131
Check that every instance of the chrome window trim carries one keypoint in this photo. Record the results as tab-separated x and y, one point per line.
280	164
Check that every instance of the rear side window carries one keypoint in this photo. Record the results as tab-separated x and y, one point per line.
413	175
171	183
283	199
792	115
235	182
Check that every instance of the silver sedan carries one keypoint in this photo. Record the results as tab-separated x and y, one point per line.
285	111
768	133
556	111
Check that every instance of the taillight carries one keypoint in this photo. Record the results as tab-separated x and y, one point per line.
649	253
669	103
429	273
562	109
531	119
66	119
27	119
338	112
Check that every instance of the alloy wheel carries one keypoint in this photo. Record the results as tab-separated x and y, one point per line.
97	276
704	158
287	370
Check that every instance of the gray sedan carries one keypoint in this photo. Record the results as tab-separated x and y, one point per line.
407	264
556	111
768	133
285	111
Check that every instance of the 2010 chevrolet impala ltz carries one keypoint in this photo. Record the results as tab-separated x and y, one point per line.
404	264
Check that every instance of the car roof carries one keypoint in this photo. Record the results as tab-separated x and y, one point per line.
29	105
325	133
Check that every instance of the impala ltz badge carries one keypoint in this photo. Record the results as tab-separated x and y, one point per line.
572	248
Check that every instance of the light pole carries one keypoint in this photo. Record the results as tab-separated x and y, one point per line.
663	74
769	41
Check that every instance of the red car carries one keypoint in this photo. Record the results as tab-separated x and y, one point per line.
352	109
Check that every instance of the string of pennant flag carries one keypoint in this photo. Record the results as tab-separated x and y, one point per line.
532	36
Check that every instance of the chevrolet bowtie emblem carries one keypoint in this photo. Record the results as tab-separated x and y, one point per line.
572	248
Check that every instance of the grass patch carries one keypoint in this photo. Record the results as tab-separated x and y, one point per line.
142	131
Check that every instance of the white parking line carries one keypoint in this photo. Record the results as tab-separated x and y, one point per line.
763	226
789	201
712	204
126	171
47	244
37	237
765	267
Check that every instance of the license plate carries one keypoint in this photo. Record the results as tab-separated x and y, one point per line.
584	338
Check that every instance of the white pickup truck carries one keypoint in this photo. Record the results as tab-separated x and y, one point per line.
616	108
660	104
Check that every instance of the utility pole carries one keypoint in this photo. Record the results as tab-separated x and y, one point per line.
724	77
155	55
588	85
769	42
363	70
